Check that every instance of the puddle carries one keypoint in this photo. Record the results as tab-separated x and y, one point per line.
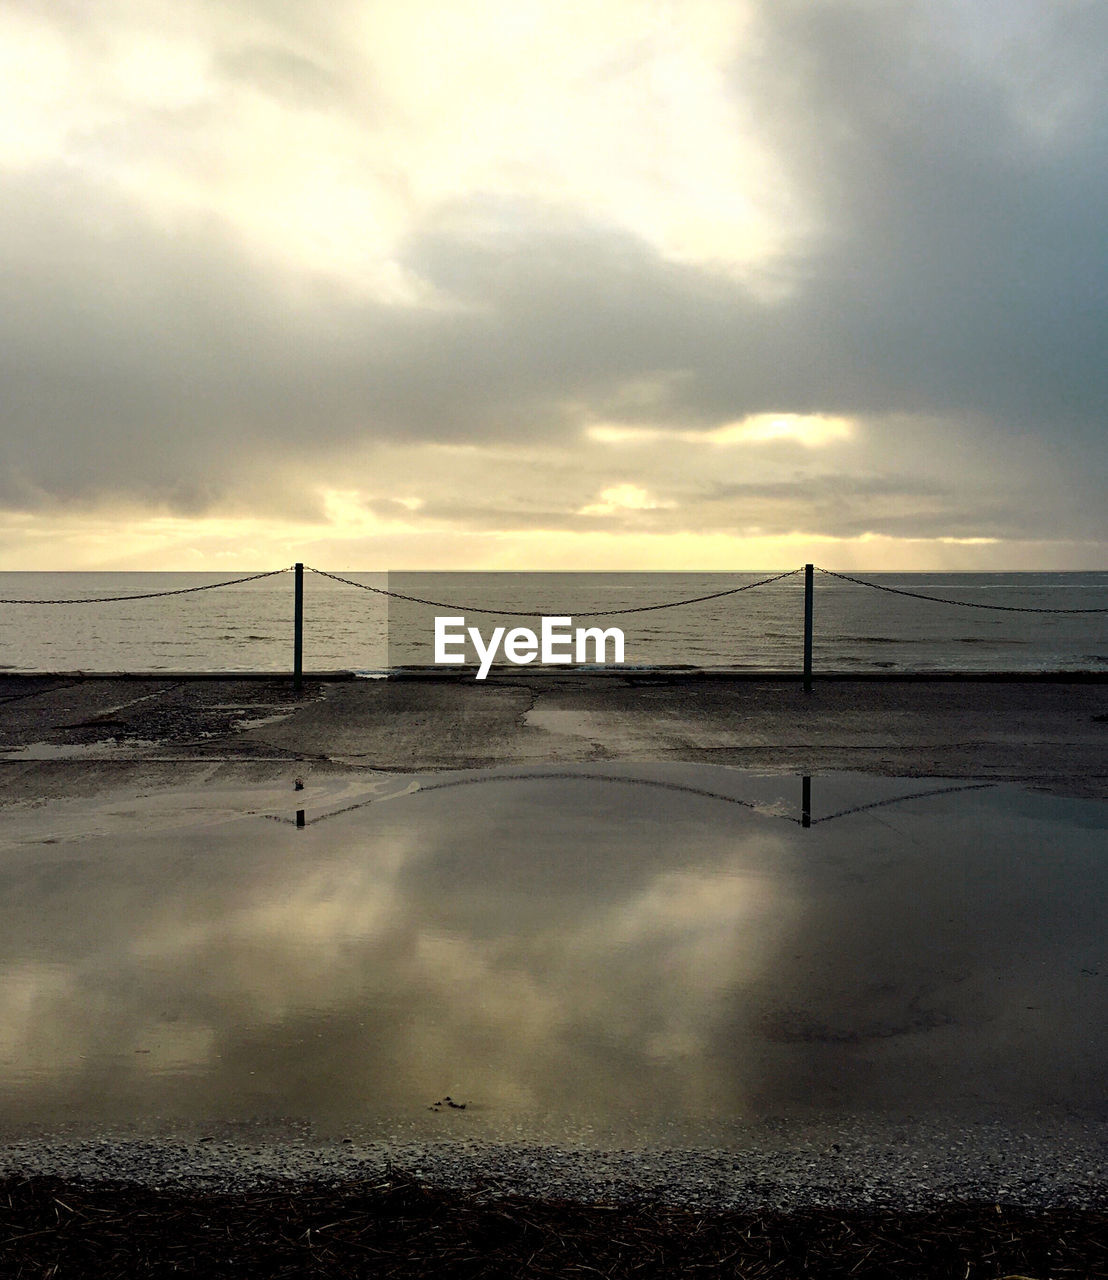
630	953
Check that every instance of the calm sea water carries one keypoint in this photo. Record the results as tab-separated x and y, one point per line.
249	626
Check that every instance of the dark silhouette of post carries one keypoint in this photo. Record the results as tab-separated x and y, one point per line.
300	817
806	800
807	628
298	629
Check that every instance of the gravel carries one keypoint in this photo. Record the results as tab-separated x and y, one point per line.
849	1166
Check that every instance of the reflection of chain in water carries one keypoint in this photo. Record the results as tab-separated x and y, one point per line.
416	788
409	790
805	820
594	777
914	795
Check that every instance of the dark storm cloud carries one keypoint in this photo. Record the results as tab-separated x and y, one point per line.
959	173
137	360
957	270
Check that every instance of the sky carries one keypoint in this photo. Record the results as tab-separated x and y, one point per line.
547	284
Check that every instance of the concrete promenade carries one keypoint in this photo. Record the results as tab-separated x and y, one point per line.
70	735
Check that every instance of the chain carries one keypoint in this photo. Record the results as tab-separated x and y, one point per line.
966	604
537	613
152	595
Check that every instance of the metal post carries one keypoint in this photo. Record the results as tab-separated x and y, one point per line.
298	629
806	801
807	628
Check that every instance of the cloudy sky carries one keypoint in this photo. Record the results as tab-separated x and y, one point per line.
540	283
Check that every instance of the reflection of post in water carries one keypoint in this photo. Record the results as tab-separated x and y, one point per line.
806	801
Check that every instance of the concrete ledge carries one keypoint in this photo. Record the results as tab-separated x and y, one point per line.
644	675
630	674
329	676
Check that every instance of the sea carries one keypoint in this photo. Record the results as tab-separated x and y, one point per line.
354	625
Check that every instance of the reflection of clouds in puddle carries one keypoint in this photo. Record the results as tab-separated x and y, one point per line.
569	947
678	948
323	915
33	1037
173	1046
701	904
55	1022
368	975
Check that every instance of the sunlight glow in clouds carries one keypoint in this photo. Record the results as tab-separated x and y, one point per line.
810	430
227	546
325	154
624	497
503	283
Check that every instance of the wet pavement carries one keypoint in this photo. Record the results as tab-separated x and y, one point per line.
62	735
605	915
